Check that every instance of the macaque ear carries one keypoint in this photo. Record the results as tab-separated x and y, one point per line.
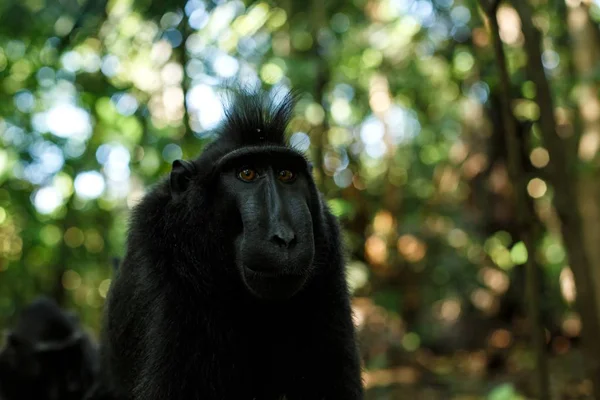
181	175
310	167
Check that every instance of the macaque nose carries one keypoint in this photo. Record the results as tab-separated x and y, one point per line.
284	237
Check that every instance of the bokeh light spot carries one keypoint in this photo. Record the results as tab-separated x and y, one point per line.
47	199
89	185
71	280
411	341
172	152
50	235
536	188
74	237
103	288
539	157
300	141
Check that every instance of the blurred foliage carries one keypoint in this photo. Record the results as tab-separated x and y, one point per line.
398	111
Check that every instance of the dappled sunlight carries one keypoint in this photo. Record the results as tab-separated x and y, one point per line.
484	300
500	339
510	25
539	157
447	310
589	145
205	107
399	113
567	285
448	180
103	288
47	199
89	185
384	377
495	279
11	243
572	325
383	223
536	188
411	248
376	250
71	280
66	121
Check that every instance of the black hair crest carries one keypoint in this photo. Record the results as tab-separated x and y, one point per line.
254	120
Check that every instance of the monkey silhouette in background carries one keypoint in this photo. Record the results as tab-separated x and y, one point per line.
47	356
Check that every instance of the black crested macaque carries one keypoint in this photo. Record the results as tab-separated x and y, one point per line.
233	283
47	356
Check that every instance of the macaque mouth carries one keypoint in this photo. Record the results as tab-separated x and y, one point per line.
279	273
272	285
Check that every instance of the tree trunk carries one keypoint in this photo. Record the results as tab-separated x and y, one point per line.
586	55
562	176
524	209
319	134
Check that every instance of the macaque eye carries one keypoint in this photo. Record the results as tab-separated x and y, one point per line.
285	175
247	174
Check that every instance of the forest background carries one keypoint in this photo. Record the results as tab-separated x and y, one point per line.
456	140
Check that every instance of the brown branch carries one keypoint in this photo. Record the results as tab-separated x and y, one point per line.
489	6
562	175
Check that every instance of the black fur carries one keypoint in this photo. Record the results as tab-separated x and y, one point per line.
47	356
255	118
181	324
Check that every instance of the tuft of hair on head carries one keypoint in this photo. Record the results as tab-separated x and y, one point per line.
256	117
